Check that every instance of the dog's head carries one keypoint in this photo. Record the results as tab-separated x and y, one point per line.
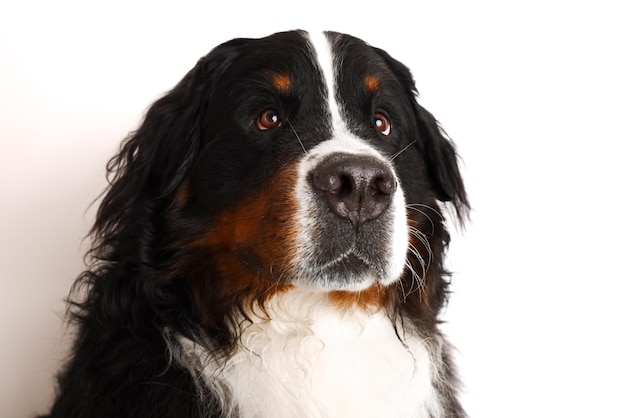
293	160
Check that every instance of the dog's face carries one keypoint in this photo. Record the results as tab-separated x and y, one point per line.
304	151
294	160
271	236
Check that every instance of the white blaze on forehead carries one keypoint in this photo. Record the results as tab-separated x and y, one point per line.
342	140
326	61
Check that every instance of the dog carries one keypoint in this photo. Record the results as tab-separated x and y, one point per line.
271	244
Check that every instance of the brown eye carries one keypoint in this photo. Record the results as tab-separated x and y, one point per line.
268	119
382	125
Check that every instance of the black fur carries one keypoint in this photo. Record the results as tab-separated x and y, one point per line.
195	154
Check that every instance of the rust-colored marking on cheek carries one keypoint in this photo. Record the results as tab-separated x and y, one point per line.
253	244
240	258
282	82
372	83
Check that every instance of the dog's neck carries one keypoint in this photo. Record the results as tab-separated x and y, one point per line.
308	358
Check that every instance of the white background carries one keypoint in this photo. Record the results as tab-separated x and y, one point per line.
532	92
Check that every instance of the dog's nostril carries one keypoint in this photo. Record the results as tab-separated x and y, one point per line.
342	188
358	188
333	183
383	185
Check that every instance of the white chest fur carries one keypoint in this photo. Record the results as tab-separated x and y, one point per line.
311	360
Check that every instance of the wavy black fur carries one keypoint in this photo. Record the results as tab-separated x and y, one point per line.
131	298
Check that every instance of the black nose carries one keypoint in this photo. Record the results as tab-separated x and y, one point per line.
356	187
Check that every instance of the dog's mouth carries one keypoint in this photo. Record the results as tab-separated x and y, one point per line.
349	271
348	264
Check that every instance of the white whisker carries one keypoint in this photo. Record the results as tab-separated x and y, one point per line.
416	208
298	137
414	205
423	239
415	280
404	294
419	257
432	224
393	157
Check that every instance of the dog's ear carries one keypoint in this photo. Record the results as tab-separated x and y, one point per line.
441	161
435	147
153	160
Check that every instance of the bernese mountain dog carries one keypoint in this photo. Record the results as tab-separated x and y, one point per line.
271	244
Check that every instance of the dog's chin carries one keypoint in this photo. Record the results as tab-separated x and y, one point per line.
349	272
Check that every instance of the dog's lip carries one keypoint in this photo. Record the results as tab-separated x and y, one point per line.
349	263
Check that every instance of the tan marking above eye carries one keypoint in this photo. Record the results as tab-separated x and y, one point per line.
372	83
282	82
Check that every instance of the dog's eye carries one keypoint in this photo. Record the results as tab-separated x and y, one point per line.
382	125
268	119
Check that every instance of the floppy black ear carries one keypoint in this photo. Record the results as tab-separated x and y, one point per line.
143	178
436	148
441	161
153	160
